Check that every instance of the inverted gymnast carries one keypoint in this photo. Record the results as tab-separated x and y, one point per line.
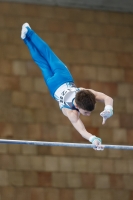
73	101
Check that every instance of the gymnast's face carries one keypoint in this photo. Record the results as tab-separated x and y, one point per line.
81	111
84	112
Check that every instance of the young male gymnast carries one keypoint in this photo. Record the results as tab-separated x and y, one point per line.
73	101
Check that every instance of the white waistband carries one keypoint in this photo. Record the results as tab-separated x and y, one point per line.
61	89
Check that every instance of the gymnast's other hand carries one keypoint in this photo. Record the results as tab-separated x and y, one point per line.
97	142
107	113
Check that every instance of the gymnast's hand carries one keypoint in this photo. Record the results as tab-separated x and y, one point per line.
107	113
97	142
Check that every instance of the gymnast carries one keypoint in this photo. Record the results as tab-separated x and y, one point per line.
73	101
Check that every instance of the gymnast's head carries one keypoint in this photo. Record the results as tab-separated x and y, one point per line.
85	102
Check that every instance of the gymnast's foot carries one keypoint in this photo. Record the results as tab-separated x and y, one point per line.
24	30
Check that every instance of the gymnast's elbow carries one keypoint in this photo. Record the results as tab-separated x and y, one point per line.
72	117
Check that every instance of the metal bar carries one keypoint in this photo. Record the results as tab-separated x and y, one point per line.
80	145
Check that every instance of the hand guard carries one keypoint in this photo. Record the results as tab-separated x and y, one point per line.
107	113
97	142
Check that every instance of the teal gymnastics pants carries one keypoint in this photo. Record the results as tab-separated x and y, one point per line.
54	71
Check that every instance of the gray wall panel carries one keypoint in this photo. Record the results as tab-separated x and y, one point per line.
110	5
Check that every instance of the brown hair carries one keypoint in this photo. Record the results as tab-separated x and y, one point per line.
85	100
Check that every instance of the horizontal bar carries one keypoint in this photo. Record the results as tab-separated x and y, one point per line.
64	144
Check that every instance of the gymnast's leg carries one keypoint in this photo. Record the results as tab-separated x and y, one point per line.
44	50
59	72
39	60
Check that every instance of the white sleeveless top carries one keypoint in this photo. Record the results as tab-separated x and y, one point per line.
65	95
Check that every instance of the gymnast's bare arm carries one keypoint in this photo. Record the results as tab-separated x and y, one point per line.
107	100
101	97
73	116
